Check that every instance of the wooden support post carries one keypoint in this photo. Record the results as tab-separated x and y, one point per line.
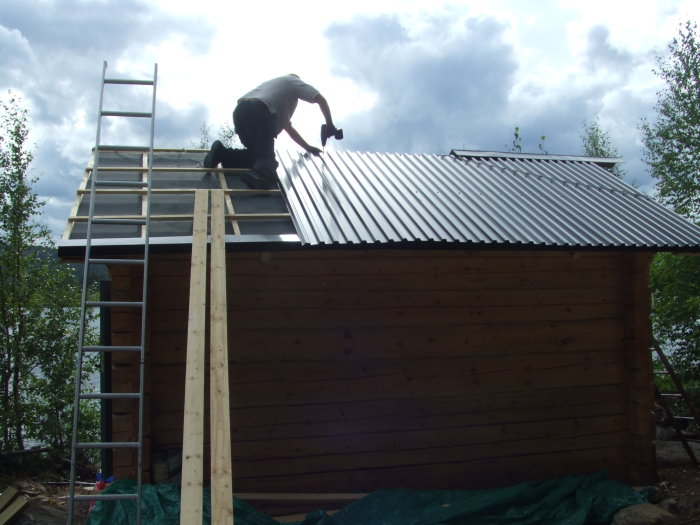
11	505
229	204
193	437
639	369
221	483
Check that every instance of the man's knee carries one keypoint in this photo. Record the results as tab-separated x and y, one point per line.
237	158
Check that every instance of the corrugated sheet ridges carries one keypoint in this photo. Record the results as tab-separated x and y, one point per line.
369	198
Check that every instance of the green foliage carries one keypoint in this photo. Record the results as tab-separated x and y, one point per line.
673	156
675	287
39	306
597	143
673	141
225	133
516	146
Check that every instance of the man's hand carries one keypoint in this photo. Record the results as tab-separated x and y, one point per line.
313	150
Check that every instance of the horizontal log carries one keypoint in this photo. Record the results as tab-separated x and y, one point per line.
414	262
400	415
167	263
167	347
172	296
292	383
395	449
450	474
393	452
317	318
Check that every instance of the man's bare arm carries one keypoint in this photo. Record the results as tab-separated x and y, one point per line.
325	109
296	137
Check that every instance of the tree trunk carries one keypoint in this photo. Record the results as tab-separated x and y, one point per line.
6	406
17	408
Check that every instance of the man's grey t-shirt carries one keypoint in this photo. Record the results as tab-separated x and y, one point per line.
281	95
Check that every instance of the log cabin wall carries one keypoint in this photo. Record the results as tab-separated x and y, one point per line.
358	370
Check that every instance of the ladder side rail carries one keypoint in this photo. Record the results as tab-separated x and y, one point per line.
83	306
660	400
677	382
144	298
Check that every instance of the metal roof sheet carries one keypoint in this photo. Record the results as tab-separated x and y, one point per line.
489	199
508	201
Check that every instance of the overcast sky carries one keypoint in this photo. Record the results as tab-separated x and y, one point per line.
400	76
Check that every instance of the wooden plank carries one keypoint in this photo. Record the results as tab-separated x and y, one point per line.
193	427
229	204
169	169
300	496
169	191
221	483
7	496
13	510
76	203
186	217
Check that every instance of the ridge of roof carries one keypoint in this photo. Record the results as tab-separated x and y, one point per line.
601	161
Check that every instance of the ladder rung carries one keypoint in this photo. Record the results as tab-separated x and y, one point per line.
110	395
106	147
138	114
109	444
111	348
105	497
114	304
119	221
125	262
684	418
128	183
675	396
661	372
129	82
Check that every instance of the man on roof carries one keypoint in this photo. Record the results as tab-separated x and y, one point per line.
260	115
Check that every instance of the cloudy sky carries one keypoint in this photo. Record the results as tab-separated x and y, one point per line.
401	76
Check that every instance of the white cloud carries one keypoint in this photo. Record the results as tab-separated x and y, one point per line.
401	75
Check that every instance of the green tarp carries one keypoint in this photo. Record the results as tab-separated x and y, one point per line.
573	500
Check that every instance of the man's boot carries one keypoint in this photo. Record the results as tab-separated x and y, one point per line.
216	153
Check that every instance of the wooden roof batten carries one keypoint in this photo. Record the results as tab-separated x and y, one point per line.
134	188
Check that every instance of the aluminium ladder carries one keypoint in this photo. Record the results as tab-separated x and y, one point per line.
680	395
141	306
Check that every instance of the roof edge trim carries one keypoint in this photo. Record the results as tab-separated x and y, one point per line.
466	153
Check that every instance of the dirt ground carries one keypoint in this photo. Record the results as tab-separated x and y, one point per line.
678	480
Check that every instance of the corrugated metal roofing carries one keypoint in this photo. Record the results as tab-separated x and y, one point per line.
507	201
